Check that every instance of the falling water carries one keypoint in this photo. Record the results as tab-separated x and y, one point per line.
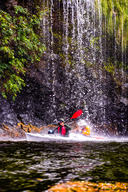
100	31
78	45
73	33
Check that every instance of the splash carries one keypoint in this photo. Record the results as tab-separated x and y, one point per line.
73	138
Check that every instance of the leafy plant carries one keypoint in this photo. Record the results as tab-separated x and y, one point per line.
20	47
116	16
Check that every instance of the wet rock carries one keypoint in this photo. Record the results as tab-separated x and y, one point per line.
82	186
18	131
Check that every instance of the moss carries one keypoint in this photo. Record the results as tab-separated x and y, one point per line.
116	16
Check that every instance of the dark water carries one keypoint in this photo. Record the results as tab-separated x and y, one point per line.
36	166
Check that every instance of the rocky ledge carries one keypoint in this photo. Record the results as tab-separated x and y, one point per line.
82	186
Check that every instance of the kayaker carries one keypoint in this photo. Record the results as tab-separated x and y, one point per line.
63	129
85	130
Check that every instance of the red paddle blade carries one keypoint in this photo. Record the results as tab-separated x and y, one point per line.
77	114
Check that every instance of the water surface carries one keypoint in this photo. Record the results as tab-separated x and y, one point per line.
36	166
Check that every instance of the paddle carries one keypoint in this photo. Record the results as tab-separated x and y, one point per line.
77	114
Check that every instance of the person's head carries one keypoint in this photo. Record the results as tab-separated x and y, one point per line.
61	122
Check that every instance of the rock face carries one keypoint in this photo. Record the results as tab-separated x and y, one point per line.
31	106
38	105
56	89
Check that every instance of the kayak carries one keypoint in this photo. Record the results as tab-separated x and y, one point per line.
46	137
73	137
53	137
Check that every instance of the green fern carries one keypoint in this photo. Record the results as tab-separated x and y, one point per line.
20	46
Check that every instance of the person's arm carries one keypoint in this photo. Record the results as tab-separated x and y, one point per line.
67	127
56	130
76	129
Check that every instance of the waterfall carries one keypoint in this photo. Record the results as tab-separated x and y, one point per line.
74	36
78	46
48	39
100	31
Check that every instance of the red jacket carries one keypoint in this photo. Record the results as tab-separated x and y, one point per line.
62	130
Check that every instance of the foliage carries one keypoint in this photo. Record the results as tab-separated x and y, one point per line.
115	69
114	14
116	17
20	47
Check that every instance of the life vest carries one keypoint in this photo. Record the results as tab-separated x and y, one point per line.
62	130
86	131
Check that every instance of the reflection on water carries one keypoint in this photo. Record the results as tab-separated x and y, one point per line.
36	166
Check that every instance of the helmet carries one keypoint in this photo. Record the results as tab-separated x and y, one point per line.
60	121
